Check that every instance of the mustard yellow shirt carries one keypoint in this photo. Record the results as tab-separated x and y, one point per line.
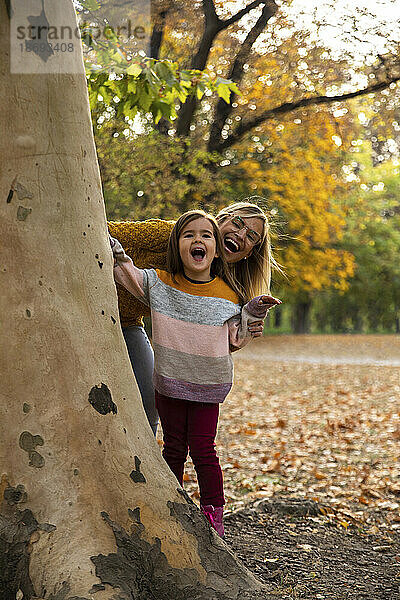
146	243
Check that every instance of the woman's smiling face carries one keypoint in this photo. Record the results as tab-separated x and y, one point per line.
236	242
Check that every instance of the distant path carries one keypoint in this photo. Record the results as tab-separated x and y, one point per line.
325	349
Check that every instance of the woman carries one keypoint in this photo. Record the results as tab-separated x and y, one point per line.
245	232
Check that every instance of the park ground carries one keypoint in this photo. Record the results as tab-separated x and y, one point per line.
309	443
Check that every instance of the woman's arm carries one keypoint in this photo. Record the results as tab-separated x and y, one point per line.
142	237
146	243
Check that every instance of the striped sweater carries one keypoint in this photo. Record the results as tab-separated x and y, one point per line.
193	326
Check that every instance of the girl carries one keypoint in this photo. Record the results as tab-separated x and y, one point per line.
246	247
196	315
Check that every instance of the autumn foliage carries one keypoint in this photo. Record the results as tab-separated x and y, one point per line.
281	137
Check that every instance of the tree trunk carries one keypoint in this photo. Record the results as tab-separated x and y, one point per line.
157	33
199	61
224	109
301	317
278	319
397	316
89	510
357	321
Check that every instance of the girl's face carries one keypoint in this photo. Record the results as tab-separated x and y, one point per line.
240	234
197	249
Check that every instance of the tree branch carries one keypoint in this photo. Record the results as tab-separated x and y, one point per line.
241	13
224	109
213	26
210	13
199	61
157	34
287	107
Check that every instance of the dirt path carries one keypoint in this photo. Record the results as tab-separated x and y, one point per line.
315	417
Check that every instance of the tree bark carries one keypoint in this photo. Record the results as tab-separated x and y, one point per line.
89	510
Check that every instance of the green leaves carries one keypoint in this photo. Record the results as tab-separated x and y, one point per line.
118	75
152	175
134	70
153	86
225	87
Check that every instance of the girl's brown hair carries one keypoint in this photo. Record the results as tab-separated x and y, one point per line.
252	275
219	265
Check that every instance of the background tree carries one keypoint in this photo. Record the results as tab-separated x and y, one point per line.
285	137
152	175
297	172
262	29
371	301
258	32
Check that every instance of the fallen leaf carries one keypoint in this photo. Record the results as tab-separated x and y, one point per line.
305	547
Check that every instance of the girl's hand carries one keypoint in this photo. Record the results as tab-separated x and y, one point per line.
118	251
258	307
256	328
269	301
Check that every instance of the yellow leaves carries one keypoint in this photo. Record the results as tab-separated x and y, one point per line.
363	500
318	475
273	467
247	431
314	269
302	184
134	69
252	169
271	560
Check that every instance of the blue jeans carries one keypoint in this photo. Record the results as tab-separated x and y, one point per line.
142	360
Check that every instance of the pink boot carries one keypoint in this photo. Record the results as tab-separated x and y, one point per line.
214	515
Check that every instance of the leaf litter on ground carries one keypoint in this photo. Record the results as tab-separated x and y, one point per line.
309	445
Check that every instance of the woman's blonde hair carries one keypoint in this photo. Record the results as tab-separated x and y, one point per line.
252	275
219	265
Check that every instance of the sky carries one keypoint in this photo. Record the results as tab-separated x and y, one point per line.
377	23
359	28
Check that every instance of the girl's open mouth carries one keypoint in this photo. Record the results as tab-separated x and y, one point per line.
198	254
231	245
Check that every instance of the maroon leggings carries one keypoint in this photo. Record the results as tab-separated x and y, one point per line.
192	425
